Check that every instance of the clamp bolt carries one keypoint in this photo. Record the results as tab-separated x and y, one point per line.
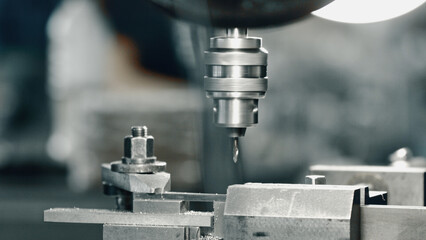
138	154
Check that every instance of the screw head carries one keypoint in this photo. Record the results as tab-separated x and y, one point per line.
315	179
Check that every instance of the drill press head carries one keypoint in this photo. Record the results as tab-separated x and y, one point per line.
235	79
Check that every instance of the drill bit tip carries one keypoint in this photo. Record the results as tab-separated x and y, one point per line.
235	150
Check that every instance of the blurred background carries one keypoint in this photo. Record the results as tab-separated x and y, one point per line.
75	75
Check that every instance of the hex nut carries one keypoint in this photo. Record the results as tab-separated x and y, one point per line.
138	149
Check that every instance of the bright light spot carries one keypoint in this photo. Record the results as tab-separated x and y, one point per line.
366	11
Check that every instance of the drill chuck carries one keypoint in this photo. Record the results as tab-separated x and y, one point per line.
235	79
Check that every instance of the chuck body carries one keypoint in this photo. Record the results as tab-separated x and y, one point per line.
235	79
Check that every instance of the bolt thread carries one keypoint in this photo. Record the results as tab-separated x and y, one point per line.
139	131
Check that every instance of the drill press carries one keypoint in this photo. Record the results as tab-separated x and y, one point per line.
235	80
235	63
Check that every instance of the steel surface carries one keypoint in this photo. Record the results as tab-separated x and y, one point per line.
126	232
196	197
241	58
236	84
159	206
405	185
236	43
393	222
277	211
143	183
100	216
219	224
224	71
154	167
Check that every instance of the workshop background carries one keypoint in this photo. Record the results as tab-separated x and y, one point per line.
76	74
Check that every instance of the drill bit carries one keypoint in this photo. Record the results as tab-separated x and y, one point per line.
235	150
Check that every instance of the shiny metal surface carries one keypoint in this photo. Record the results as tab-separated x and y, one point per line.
242	95
293	211
235	80
235	113
220	71
242	57
197	197
219	224
101	216
405	186
236	32
132	232
393	222
235	150
138	154
139	147
241	13
236	132
235	43
154	167
159	206
139	183
236	84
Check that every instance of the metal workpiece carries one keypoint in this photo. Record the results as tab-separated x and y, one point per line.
184	196
132	232
136	183
294	211
138	154
219	210
102	216
393	222
160	206
404	185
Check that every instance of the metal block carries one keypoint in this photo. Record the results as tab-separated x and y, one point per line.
98	216
140	183
193	233
219	209
132	232
405	186
393	222
280	211
269	228
159	206
185	196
